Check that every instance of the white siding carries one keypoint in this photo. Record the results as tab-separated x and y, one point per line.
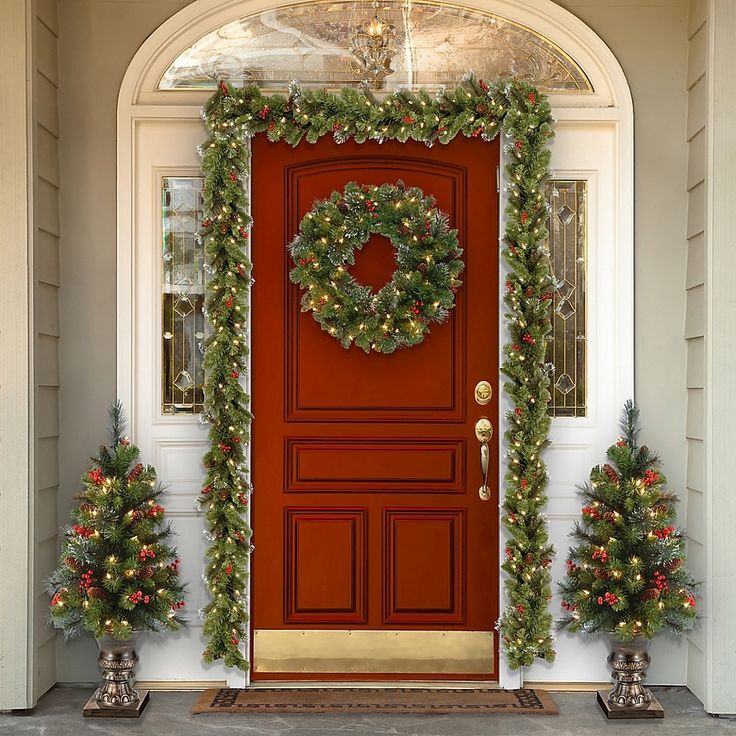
695	320
46	331
720	338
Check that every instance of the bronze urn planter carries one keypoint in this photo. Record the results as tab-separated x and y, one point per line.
117	697
629	698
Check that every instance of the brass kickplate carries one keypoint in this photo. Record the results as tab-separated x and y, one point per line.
373	652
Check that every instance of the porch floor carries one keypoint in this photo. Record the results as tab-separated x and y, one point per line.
59	714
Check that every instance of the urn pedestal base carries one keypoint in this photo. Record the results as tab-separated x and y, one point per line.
94	710
629	698
653	709
117	698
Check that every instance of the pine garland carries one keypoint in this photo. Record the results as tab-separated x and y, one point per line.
473	109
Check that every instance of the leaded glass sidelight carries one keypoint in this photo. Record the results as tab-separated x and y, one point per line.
568	228
183	287
436	43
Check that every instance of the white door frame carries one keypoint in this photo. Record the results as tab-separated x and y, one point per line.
609	107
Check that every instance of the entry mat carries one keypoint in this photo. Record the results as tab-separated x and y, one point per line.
376	700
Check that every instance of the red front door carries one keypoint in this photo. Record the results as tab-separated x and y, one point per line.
368	522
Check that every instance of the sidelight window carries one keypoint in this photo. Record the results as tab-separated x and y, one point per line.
183	287
568	234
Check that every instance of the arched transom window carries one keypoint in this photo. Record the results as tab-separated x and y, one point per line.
435	44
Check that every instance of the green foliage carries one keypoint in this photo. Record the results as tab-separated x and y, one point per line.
117	572
422	289
474	109
627	574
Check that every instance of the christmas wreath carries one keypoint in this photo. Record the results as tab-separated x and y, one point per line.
422	288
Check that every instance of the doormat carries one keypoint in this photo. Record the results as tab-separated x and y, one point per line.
376	700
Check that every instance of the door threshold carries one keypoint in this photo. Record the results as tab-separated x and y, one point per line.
377	685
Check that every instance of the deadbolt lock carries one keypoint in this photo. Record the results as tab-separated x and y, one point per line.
483	392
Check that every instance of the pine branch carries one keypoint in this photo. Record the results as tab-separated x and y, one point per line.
629	423
117	422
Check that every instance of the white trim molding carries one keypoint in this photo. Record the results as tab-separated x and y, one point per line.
609	106
720	338
17	592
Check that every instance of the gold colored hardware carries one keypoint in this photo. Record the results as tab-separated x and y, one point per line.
368	651
484	429
483	392
484	433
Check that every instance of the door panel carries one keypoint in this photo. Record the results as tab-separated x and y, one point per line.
366	510
346	389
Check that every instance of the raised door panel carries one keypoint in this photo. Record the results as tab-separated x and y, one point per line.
375	465
424	566
326	570
329	383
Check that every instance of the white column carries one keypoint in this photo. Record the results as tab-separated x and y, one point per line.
16	397
720	583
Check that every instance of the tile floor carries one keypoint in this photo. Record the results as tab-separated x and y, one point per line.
59	714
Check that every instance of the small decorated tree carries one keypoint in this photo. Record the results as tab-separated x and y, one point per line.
626	576
117	574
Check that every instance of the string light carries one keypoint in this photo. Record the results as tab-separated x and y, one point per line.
521	106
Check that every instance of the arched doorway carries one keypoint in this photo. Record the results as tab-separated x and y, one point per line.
161	279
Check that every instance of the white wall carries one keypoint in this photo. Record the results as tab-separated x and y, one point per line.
649	38
98	40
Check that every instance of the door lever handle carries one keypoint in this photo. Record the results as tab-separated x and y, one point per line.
484	433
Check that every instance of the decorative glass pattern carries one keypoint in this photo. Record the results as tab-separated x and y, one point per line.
568	236
183	286
436	44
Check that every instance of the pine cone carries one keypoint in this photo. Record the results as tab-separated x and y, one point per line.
611	473
649	594
600	573
99	593
146	572
135	473
72	563
673	564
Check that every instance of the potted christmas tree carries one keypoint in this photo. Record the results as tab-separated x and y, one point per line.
626	575
118	575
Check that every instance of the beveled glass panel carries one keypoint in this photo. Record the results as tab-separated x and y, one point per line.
568	236
435	45
183	287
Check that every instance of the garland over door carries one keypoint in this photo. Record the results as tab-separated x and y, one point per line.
374	553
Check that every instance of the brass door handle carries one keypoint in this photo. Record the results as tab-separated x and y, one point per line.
484	433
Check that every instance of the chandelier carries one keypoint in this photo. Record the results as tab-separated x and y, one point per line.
370	47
